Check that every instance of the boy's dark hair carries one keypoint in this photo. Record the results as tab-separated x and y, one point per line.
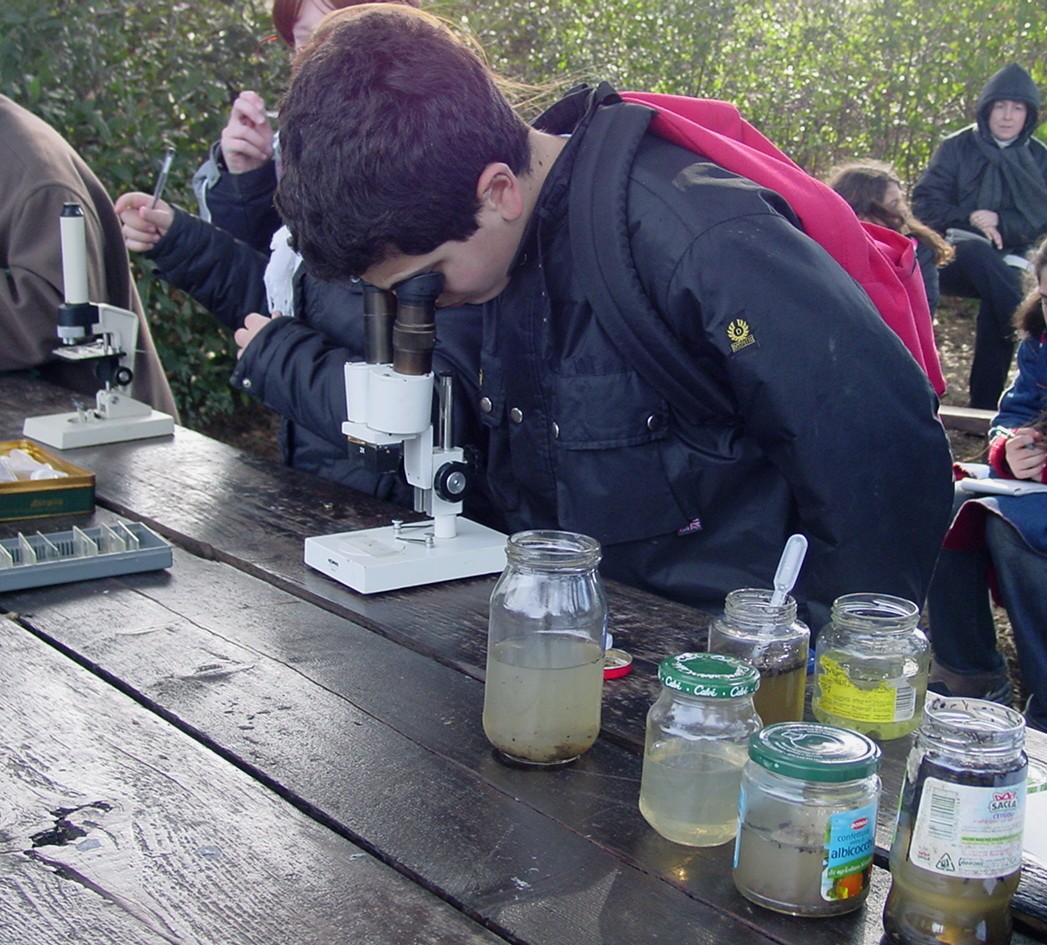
389	122
1029	316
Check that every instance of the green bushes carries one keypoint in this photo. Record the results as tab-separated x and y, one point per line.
120	79
826	80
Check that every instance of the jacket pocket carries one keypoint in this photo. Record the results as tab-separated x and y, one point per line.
611	432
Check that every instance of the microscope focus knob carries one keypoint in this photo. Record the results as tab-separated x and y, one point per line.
452	481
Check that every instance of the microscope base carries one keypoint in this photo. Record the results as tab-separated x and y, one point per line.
66	431
379	559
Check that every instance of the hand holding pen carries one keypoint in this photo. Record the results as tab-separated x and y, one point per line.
161	180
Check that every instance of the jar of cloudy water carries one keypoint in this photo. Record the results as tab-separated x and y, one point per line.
807	819
545	650
695	747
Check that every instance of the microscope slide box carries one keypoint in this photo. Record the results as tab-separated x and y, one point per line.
152	553
35	498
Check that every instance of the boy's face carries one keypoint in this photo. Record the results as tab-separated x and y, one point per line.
474	270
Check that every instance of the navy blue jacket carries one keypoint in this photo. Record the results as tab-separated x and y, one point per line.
833	430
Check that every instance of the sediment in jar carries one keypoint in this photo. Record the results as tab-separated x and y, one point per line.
542	697
780	868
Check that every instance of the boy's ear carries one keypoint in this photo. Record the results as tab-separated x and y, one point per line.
498	189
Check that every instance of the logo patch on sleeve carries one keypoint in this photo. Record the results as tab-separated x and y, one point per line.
739	335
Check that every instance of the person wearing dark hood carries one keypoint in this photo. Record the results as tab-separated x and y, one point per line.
985	189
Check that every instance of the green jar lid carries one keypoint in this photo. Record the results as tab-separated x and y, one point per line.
810	751
712	675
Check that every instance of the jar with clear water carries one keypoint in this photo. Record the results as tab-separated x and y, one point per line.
545	651
768	635
957	851
871	666
696	745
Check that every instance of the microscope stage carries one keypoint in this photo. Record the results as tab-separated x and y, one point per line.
66	431
384	559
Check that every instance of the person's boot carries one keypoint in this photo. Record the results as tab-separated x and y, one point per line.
994	687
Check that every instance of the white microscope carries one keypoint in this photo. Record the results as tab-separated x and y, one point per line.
389	399
108	337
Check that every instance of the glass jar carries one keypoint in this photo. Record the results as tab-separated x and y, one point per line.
871	665
957	850
696	743
807	819
545	649
769	636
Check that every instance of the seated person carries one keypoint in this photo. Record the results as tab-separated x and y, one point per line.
39	173
874	191
1004	537
810	404
988	183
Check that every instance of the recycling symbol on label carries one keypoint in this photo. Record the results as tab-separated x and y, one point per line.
946	864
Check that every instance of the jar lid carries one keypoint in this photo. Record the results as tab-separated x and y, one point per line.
712	675
811	751
617	663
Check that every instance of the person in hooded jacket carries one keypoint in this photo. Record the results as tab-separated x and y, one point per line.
809	405
986	190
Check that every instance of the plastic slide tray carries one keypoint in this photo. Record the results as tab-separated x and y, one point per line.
38	560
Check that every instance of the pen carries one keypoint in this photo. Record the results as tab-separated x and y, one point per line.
161	180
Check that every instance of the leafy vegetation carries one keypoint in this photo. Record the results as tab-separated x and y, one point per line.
826	80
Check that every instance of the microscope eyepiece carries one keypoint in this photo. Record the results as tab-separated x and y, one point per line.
423	289
379	315
414	333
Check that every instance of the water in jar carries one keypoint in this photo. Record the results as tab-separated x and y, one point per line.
781	693
691	796
542	696
879	697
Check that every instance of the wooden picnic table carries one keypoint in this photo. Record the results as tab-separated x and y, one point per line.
239	749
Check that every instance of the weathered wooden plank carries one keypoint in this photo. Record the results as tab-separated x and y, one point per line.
388	744
966	419
222	504
116	827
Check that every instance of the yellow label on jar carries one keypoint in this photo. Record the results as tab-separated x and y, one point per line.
886	700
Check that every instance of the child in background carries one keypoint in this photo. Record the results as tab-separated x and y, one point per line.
874	191
1000	541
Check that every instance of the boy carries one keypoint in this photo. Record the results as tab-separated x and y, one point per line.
804	413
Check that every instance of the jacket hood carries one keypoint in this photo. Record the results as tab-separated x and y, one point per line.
1014	83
